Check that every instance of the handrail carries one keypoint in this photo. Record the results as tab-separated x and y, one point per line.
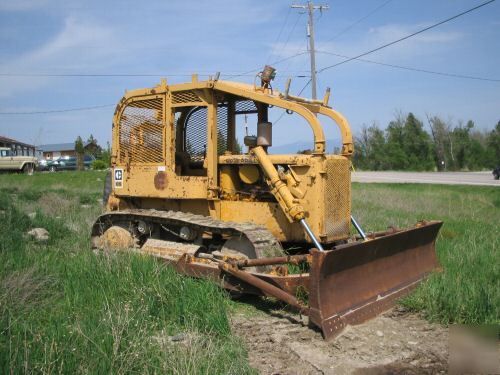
319	135
345	129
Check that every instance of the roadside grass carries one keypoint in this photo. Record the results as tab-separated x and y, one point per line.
467	291
468	246
64	308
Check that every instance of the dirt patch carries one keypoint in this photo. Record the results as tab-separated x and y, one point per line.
396	342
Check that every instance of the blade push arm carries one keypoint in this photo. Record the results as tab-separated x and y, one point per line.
292	209
290	206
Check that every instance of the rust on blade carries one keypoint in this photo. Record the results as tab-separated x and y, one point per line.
357	281
290	259
347	285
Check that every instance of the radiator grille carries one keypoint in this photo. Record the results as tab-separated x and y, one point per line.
141	132
337	198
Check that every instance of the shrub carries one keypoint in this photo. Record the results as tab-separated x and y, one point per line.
99	164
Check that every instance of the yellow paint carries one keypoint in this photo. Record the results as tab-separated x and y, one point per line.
249	174
149	138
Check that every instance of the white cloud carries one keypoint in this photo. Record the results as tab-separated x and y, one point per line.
428	42
79	46
89	38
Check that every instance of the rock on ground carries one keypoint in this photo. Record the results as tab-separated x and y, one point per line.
39	234
281	343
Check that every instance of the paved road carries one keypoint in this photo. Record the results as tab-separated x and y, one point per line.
448	178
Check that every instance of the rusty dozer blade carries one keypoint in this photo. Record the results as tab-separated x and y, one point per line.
345	286
357	281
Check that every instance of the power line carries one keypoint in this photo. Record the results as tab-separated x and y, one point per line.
348	59
273	63
291	31
359	21
415	69
104	75
279	34
399	40
256	70
320	71
78	75
310	33
299	48
59	110
300	92
407	36
298	53
87	75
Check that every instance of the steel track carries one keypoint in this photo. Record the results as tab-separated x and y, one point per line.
265	244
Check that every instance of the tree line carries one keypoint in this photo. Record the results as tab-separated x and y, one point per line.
405	144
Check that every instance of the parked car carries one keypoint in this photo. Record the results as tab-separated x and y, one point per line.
65	163
496	173
9	162
47	165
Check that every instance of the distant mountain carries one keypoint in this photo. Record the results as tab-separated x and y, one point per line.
292	148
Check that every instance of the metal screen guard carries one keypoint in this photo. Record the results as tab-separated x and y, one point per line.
141	132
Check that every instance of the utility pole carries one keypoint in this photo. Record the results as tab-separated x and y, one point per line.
310	34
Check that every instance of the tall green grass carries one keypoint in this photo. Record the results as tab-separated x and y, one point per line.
468	246
64	308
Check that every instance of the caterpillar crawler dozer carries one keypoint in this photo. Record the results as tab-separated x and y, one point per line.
182	189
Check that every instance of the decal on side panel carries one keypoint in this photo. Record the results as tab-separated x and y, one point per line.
118	174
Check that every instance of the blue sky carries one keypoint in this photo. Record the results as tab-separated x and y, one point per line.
176	38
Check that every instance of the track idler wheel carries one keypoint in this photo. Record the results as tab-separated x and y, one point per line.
116	238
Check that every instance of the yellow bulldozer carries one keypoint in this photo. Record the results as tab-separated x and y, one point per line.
182	189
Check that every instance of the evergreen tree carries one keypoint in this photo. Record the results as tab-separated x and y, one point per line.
406	145
397	159
80	150
378	158
476	152
417	145
461	144
93	148
493	147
